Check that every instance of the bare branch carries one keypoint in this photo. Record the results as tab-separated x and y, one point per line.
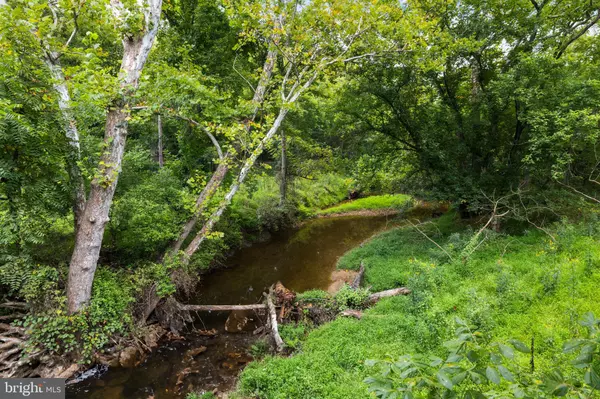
430	239
242	76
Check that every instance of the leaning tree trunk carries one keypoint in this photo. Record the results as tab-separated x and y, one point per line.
88	240
219	174
201	202
216	215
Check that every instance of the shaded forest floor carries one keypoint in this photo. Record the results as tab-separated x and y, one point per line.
521	285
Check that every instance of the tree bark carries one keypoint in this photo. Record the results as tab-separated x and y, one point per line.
217	308
72	134
211	187
216	215
219	175
273	322
88	239
386	294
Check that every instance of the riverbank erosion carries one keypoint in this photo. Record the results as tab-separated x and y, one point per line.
526	285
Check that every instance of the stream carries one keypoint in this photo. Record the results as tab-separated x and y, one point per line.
302	258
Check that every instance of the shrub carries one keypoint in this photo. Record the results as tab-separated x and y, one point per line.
88	331
260	348
292	334
347	297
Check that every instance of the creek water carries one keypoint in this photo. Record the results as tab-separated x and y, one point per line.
302	258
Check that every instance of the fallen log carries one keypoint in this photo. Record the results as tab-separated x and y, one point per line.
218	308
357	314
260	306
373	298
273	319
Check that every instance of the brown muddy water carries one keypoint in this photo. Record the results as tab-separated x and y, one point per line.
301	259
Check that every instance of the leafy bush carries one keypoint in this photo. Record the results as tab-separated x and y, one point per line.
474	368
347	297
84	333
292	334
205	395
260	348
147	217
497	288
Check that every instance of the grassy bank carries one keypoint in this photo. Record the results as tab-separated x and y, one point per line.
372	203
515	286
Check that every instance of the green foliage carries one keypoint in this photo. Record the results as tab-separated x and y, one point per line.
347	297
260	349
496	292
81	335
205	395
292	334
474	368
375	202
312	296
148	216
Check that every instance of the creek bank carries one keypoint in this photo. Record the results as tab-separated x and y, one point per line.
302	259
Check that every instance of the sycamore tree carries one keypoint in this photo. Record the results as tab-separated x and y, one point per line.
138	25
304	42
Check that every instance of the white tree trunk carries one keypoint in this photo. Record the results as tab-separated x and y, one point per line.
219	175
88	240
72	134
216	215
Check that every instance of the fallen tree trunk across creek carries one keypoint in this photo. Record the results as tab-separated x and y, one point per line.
373	298
218	308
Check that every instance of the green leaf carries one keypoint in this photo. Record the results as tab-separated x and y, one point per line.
445	380
561	390
458	378
520	346
506	351
506	373
517	391
470	394
592	378
572	345
492	375
476	377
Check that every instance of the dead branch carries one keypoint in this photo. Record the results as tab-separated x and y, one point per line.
373	298
14	305
273	319
358	279
218	308
430	239
357	314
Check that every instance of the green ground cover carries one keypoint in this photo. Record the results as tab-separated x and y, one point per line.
375	202
513	286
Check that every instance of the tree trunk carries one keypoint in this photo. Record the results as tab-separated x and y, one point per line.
72	134
219	175
211	187
88	239
283	172
216	215
160	144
